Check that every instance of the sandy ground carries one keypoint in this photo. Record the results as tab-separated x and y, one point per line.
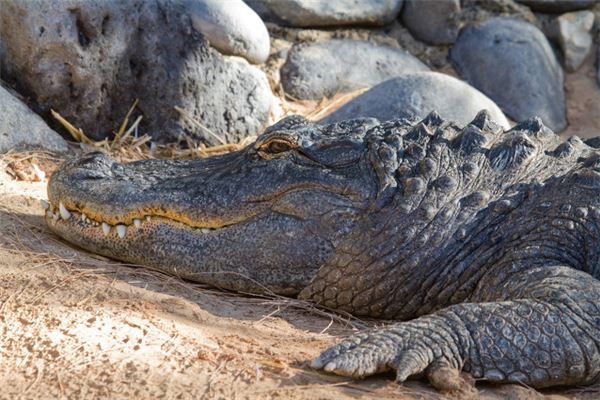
78	326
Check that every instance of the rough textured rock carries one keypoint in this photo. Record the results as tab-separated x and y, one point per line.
431	21
91	60
231	27
574	37
416	95
310	13
320	70
22	129
558	6
512	62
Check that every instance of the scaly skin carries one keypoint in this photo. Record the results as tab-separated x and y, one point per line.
485	243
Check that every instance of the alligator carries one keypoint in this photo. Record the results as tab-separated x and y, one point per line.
482	244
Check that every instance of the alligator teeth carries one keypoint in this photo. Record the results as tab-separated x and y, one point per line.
147	218
137	222
64	213
55	216
83	217
105	228
49	213
121	230
204	230
45	204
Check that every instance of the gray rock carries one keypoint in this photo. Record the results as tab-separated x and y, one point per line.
231	27
512	62
314	71
22	129
558	6
574	37
91	60
431	21
311	13
416	95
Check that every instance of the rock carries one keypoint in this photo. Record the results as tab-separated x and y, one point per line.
558	6
323	69
416	95
231	27
431	21
311	13
574	37
512	62
91	60
22	129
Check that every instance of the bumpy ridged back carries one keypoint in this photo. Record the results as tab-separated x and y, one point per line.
436	180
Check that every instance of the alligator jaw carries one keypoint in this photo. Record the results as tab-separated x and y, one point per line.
184	251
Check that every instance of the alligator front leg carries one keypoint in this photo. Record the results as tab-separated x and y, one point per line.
548	335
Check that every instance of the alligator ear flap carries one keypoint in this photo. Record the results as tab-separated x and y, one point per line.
483	120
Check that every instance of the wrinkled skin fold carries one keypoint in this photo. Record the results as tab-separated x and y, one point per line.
484	244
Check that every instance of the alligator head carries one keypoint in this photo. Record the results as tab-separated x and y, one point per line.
263	218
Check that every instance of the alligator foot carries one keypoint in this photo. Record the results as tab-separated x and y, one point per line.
410	348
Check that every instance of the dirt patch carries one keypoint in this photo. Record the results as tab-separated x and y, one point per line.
583	101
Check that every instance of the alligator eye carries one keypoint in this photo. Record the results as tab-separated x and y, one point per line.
276	147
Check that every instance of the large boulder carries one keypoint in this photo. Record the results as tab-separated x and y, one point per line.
432	21
512	62
22	129
231	27
416	95
558	6
322	13
91	60
314	71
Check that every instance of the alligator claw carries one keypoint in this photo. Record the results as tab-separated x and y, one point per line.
400	347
